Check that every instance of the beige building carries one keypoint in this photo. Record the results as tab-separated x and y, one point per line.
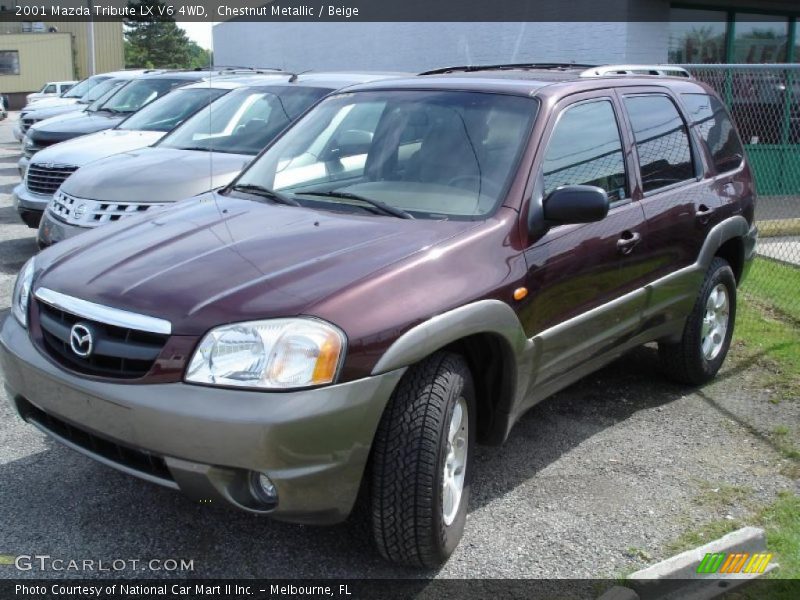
33	53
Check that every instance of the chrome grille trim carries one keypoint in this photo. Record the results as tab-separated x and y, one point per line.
93	213
104	314
46	179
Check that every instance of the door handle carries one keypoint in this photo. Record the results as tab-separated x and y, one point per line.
703	213
628	240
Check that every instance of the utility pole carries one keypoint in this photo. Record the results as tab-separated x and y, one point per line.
90	38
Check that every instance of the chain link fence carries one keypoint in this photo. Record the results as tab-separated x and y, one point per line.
764	101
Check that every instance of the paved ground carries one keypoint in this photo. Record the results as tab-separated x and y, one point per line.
592	482
772	208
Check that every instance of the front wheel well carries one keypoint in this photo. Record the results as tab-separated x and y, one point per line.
493	369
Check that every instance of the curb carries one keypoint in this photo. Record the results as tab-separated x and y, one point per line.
677	577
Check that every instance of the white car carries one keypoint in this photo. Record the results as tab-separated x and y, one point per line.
51	166
51	89
76	99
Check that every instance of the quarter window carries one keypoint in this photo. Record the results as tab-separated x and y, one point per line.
712	122
585	149
662	142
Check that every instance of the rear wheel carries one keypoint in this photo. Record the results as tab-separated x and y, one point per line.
421	463
708	330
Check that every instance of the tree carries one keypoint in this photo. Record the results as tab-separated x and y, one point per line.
156	41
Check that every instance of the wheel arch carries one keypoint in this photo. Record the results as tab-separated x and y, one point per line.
489	336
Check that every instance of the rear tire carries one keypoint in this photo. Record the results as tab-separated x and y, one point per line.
421	457
708	330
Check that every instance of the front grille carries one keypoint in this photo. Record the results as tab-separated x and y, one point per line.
46	179
117	352
26	124
92	213
138	460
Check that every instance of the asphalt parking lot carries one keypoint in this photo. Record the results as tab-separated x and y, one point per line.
592	482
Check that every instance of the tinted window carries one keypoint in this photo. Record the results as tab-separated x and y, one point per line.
662	142
84	86
138	93
585	149
714	125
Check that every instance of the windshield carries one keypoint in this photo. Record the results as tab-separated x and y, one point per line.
138	93
433	154
82	88
244	121
101	90
166	113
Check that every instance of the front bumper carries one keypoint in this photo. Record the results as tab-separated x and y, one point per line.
30	206
312	444
52	230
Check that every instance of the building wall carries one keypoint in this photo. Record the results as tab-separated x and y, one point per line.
420	46
108	43
42	58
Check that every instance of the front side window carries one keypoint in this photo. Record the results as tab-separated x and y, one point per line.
711	120
49	89
243	121
586	149
662	141
432	154
138	93
168	112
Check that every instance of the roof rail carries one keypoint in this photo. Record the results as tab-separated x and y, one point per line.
506	67
654	70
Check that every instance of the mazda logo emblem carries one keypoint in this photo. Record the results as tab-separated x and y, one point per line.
81	340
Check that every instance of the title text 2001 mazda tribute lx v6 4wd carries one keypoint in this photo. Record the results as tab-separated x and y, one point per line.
400	275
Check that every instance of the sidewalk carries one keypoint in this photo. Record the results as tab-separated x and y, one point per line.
785	249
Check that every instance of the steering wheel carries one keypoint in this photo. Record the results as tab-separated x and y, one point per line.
485	185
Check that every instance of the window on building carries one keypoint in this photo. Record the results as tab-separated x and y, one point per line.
585	149
697	36
9	62
760	39
662	142
712	121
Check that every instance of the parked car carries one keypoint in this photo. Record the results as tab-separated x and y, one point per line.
399	276
54	164
205	152
51	89
76	100
106	113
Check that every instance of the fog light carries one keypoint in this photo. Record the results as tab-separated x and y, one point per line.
263	488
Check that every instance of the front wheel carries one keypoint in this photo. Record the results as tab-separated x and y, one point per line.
421	463
708	330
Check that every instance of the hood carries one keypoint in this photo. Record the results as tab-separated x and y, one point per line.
89	148
55	112
49	103
213	259
53	131
154	175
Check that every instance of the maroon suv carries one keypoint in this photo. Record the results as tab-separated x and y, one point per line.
398	277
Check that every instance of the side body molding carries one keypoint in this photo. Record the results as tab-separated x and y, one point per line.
483	316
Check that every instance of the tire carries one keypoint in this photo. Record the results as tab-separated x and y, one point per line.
408	461
700	353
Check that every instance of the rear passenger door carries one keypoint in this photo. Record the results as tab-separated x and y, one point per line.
581	275
678	203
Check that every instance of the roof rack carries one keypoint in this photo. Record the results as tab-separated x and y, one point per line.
654	70
507	67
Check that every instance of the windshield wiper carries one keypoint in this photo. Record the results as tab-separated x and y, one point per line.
260	190
381	207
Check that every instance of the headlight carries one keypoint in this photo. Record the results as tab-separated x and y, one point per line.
27	142
273	354
22	293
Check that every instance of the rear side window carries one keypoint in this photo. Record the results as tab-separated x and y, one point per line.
662	142
712	122
585	149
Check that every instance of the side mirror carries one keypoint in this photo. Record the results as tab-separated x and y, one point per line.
575	204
